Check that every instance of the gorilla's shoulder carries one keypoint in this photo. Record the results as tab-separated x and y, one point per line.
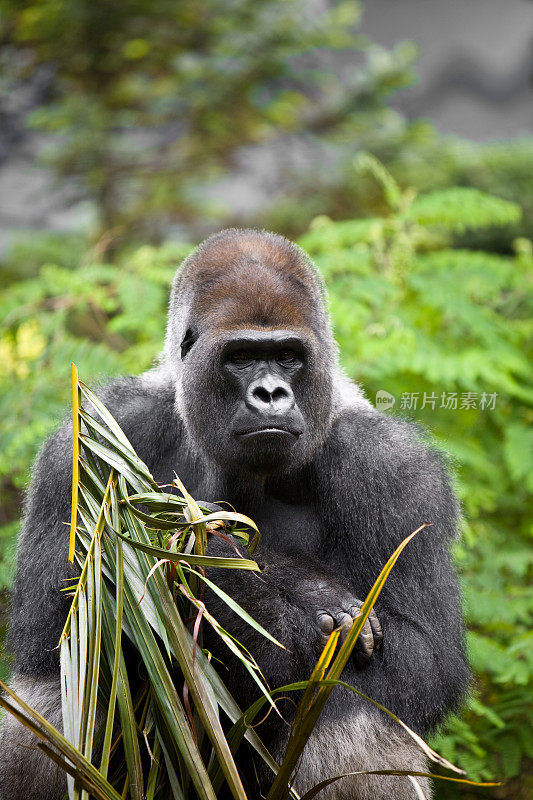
373	436
386	473
144	407
385	451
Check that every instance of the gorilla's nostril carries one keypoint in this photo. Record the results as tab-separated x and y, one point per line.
279	394
260	393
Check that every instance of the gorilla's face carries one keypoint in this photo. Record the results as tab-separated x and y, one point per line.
262	372
259	400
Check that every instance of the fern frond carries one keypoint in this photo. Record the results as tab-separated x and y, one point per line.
460	208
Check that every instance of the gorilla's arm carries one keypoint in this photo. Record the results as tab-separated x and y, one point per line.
378	483
39	608
288	598
38	613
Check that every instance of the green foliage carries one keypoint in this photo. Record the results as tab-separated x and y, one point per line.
501	168
439	327
417	155
29	250
432	162
458	210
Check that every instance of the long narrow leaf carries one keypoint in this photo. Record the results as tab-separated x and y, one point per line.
106	416
239	610
181	642
126	452
126	711
180	639
119	589
317	675
222	562
165	694
117	462
75	458
400	772
194	514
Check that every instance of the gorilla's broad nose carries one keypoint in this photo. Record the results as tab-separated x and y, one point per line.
269	395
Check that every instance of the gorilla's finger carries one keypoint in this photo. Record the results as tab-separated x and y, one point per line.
374	623
376	629
325	621
366	639
344	621
364	646
326	624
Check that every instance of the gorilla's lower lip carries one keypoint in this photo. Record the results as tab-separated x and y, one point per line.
269	430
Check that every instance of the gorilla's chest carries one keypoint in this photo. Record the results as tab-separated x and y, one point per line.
288	528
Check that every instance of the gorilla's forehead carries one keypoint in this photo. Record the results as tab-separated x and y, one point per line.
249	278
253	299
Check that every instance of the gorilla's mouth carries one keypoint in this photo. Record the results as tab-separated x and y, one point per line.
269	430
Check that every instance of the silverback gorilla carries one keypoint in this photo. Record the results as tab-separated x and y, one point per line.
248	404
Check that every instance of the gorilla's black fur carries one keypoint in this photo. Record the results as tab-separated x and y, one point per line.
332	500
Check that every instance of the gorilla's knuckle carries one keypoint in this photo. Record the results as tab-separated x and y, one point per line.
325	621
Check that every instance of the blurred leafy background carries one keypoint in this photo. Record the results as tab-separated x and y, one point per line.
158	122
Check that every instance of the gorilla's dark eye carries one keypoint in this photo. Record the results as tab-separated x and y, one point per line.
286	357
188	341
241	358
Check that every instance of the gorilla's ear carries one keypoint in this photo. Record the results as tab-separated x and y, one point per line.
188	341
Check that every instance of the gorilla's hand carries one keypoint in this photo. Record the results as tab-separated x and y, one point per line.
341	614
332	606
